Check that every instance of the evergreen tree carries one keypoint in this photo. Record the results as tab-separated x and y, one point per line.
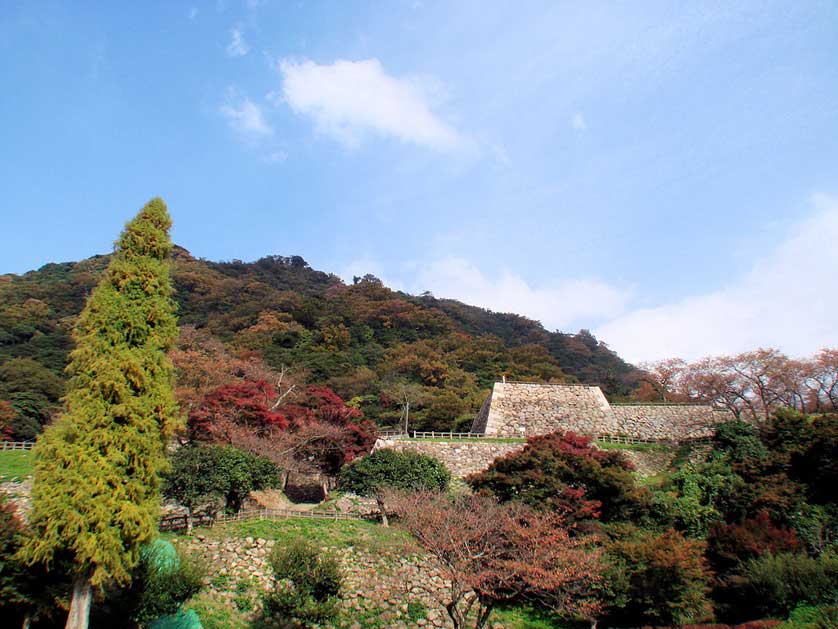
95	500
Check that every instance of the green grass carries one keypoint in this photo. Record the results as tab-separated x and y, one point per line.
15	464
216	613
635	447
338	534
526	618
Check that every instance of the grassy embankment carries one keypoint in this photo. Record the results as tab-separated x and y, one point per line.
219	613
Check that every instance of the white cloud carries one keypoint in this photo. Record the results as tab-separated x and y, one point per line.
349	99
247	118
237	47
787	299
565	305
578	122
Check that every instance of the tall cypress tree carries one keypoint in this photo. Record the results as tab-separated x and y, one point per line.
95	500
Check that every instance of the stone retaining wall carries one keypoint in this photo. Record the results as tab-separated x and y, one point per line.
515	409
379	585
523	410
666	421
461	457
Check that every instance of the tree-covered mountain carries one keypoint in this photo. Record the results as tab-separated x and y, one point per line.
374	346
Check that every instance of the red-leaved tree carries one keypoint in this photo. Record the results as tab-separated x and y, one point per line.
316	432
490	554
243	404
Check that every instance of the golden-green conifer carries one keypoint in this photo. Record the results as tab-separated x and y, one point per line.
95	500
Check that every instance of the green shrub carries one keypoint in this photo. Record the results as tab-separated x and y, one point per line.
163	580
203	473
398	470
809	617
776	584
308	584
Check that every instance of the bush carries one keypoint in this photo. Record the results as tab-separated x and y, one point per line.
808	617
564	472
739	440
776	584
703	494
308	584
201	474
657	580
162	582
388	468
730	545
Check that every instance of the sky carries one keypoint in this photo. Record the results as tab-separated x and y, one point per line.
664	174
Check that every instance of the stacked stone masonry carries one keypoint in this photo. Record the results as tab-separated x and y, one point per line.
461	457
523	410
377	585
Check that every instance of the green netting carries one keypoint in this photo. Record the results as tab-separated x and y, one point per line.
181	620
163	555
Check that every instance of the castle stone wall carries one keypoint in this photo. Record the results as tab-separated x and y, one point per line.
665	422
519	410
461	457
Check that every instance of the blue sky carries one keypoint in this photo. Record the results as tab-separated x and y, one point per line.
665	174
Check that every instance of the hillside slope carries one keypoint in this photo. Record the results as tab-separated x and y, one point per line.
363	340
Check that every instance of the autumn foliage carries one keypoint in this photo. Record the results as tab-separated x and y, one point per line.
492	554
564	472
752	385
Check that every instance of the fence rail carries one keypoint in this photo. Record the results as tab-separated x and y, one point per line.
629	440
447	435
391	433
16	445
180	522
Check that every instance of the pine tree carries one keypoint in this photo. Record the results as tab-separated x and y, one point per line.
95	500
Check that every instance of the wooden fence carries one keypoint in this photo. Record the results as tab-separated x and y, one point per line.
447	435
384	433
16	445
608	438
629	440
179	522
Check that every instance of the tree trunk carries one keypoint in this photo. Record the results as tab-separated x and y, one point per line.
453	614
189	520
482	617
80	604
383	509
27	619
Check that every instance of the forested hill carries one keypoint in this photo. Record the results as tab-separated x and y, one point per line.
363	340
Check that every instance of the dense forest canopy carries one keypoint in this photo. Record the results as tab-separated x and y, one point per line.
373	346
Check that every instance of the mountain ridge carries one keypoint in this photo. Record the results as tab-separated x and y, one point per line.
361	339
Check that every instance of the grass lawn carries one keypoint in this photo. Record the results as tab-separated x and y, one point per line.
526	618
15	464
339	534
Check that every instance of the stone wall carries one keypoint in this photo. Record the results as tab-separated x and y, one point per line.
664	422
518	410
377	584
462	457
